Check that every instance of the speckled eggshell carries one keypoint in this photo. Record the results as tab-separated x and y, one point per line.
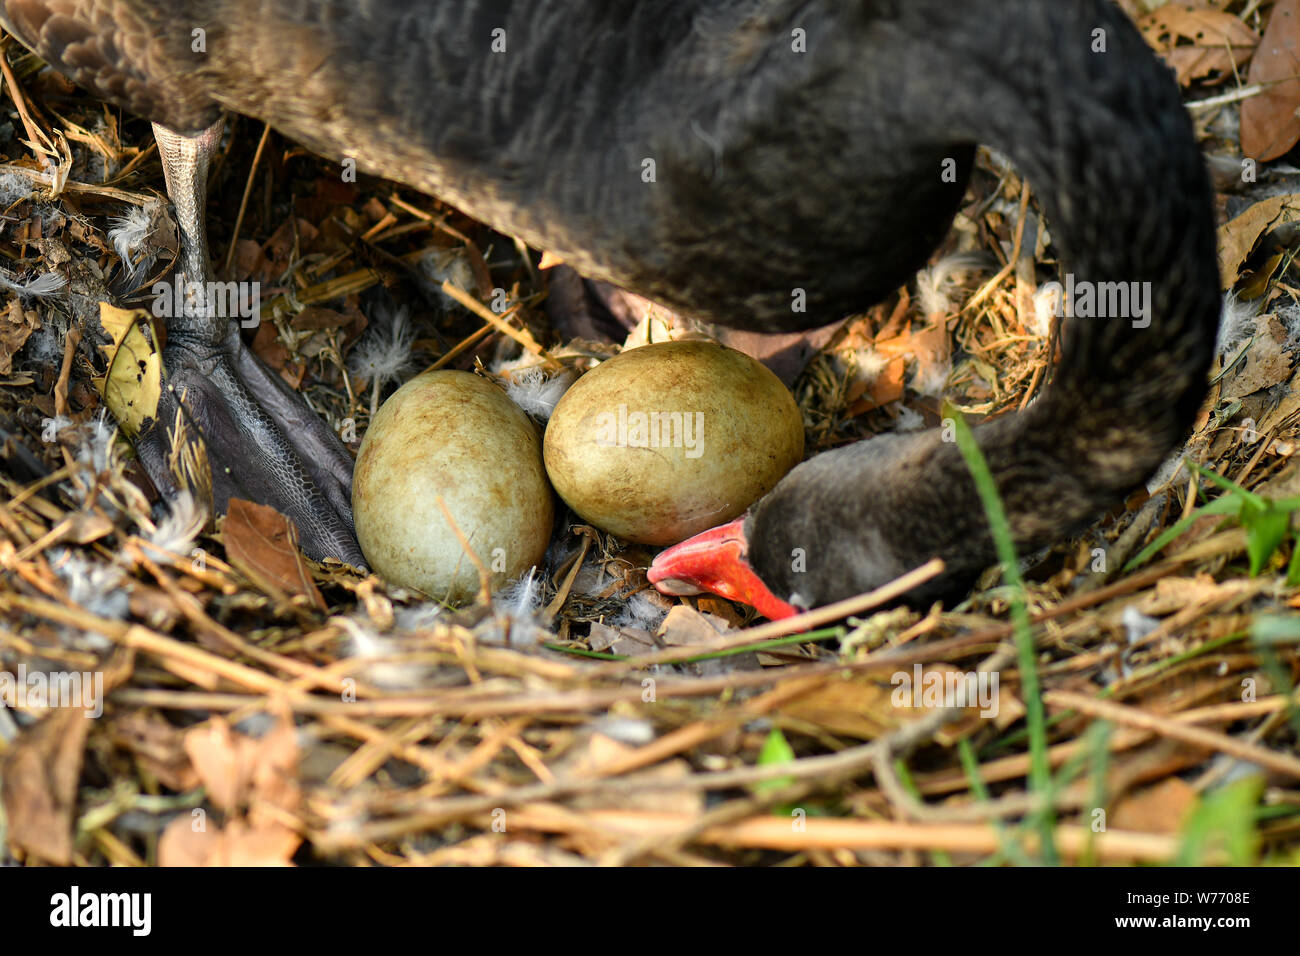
660	484
456	435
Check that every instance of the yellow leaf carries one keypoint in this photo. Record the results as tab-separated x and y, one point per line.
133	385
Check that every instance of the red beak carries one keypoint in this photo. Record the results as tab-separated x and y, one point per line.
714	560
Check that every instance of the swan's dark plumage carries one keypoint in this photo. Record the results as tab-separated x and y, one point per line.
134	55
807	156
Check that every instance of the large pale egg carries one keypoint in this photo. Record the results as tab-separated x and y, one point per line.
454	436
664	441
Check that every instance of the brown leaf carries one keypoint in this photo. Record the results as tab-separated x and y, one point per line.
1267	362
237	844
685	626
630	641
16	326
1269	125
858	707
1238	238
720	608
867	706
84	527
275	769
1174	594
39	784
887	386
315	317
1198	43
221	761
296	233
39	774
1157	809
183	845
268	347
603	752
158	747
240	771
263	545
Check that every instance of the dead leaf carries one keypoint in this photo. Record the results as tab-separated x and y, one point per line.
1157	809
932	348
1288	405
133	385
221	762
859	707
267	346
158	746
686	626
719	608
187	843
39	774
252	780
1269	125
866	707
263	545
236	844
16	327
275	774
242	772
1267	362
1198	43
887	386
1238	238
83	527
315	317
1175	593
39	784
604	752
628	641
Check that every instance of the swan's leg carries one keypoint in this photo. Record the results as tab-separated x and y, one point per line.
262	440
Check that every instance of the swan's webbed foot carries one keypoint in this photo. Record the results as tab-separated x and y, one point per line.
262	441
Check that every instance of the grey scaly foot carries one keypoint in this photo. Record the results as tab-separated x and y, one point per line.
262	441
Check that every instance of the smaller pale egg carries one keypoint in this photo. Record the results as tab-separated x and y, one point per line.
664	441
454	436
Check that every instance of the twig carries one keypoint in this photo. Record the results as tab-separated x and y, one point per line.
522	336
243	202
484	576
790	625
1168	727
773	833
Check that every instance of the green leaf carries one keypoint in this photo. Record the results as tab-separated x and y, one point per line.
1225	483
776	750
1268	632
1266	529
1040	769
1266	522
1269	629
1227	505
1221	827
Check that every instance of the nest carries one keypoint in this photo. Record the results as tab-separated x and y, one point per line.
245	705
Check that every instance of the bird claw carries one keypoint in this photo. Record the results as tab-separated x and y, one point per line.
261	439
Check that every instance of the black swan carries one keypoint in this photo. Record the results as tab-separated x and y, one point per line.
813	145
